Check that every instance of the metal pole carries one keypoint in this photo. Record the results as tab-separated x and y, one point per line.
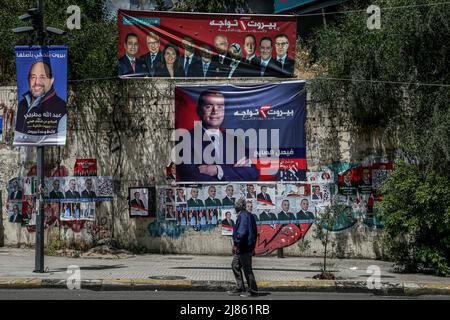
40	218
39	255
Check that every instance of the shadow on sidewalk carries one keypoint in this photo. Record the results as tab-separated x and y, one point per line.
259	269
93	268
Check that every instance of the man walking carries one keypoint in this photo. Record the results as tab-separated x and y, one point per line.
244	239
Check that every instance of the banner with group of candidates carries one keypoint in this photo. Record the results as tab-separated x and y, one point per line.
200	45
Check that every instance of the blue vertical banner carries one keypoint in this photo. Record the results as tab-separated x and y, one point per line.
42	96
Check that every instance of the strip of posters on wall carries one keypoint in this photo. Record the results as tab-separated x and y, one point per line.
240	133
195	45
42	95
274	203
73	197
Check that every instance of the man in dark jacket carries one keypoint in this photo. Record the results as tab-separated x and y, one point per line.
244	242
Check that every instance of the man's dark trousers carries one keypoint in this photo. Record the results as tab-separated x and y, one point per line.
244	262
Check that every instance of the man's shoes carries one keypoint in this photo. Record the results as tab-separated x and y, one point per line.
235	292
249	294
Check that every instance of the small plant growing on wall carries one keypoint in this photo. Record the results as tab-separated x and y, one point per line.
324	226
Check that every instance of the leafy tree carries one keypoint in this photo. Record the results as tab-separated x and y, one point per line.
92	50
411	47
416	215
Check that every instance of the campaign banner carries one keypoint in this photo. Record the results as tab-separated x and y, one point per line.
205	45
42	95
240	133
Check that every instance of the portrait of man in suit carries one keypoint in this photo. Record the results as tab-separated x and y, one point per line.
129	64
347	186
170	197
285	214
267	216
228	221
229	199
181	197
250	62
281	47
222	59
137	202
72	193
304	213
189	57
16	216
204	67
212	201
194	201
317	195
40	100
263	195
249	208
16	193
251	192
268	66
88	191
56	193
225	165
153	58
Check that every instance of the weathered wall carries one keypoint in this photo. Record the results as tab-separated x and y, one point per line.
126	126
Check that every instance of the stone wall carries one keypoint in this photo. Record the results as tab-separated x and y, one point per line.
126	126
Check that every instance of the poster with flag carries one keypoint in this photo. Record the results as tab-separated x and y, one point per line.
240	132
205	45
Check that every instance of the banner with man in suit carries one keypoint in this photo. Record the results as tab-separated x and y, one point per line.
240	133
42	93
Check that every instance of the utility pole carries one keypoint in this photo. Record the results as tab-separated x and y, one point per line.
37	17
40	216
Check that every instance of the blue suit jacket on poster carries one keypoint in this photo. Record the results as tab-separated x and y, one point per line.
190	172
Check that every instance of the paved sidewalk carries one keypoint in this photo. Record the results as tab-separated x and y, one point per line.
187	272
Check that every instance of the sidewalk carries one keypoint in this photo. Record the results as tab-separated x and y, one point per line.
195	273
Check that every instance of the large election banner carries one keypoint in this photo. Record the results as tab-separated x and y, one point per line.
42	93
240	133
199	45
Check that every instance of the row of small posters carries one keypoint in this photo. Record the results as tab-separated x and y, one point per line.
271	203
24	212
73	198
63	189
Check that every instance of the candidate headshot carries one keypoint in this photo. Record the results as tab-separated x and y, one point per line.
221	163
153	58
88	191
40	102
72	193
282	47
56	193
129	63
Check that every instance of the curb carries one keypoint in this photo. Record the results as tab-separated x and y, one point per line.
129	284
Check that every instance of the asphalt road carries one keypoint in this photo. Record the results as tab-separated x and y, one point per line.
63	294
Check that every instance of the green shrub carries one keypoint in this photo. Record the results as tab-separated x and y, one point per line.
416	213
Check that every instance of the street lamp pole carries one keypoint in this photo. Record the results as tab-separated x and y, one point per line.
40	217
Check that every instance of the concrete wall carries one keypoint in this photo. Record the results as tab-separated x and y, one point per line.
126	126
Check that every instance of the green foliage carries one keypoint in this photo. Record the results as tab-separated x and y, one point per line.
411	47
416	214
211	6
92	49
324	224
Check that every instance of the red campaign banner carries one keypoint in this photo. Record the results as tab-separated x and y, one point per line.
85	167
205	45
